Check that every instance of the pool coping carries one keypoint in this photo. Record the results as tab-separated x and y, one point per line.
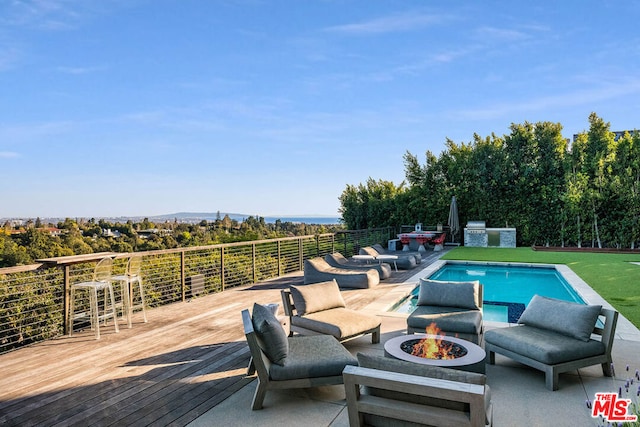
625	330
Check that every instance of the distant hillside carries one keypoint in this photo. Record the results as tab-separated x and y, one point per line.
209	216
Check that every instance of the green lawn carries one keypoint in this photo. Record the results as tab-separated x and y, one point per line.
611	275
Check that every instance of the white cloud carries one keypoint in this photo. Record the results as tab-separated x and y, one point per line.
79	70
586	97
8	154
388	24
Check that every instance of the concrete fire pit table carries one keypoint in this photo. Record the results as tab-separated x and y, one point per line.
472	361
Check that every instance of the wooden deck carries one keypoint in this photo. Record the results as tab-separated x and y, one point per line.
187	359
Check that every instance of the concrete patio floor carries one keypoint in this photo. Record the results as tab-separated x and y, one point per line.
519	395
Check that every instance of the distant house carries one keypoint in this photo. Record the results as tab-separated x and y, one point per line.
55	231
107	232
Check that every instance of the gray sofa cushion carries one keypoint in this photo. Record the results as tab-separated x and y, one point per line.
543	345
340	322
449	319
305	355
271	336
403	367
316	297
564	317
449	294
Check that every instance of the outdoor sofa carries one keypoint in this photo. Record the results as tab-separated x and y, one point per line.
557	336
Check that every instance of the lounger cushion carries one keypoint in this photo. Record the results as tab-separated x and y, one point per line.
449	319
543	345
564	317
403	367
449	294
339	322
316	297
305	354
271	335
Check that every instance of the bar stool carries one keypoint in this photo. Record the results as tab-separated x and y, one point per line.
132	275
101	282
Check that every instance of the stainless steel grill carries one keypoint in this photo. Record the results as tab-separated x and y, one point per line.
476	227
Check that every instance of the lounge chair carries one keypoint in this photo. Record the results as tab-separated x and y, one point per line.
318	270
405	262
382	251
319	309
290	362
455	308
336	259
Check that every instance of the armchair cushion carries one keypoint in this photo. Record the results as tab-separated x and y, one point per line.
542	345
271	335
452	320
449	294
564	317
311	357
340	322
316	297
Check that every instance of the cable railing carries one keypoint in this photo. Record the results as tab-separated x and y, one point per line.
34	299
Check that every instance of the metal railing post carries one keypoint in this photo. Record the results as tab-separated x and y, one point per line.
68	322
253	262
183	276
279	259
300	254
222	281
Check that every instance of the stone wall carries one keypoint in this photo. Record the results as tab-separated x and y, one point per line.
506	237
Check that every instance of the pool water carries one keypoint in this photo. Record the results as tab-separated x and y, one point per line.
507	288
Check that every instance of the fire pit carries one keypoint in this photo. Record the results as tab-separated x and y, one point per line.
438	350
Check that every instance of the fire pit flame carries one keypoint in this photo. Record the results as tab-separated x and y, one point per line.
436	347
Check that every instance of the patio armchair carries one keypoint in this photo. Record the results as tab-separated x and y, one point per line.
455	308
404	261
390	392
557	336
318	270
320	309
336	259
283	362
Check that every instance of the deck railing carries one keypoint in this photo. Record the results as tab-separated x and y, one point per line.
34	299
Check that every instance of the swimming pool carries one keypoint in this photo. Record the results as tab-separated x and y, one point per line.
508	288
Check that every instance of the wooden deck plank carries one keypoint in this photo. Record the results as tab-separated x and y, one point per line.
187	359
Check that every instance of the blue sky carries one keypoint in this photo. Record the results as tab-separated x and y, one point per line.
148	107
